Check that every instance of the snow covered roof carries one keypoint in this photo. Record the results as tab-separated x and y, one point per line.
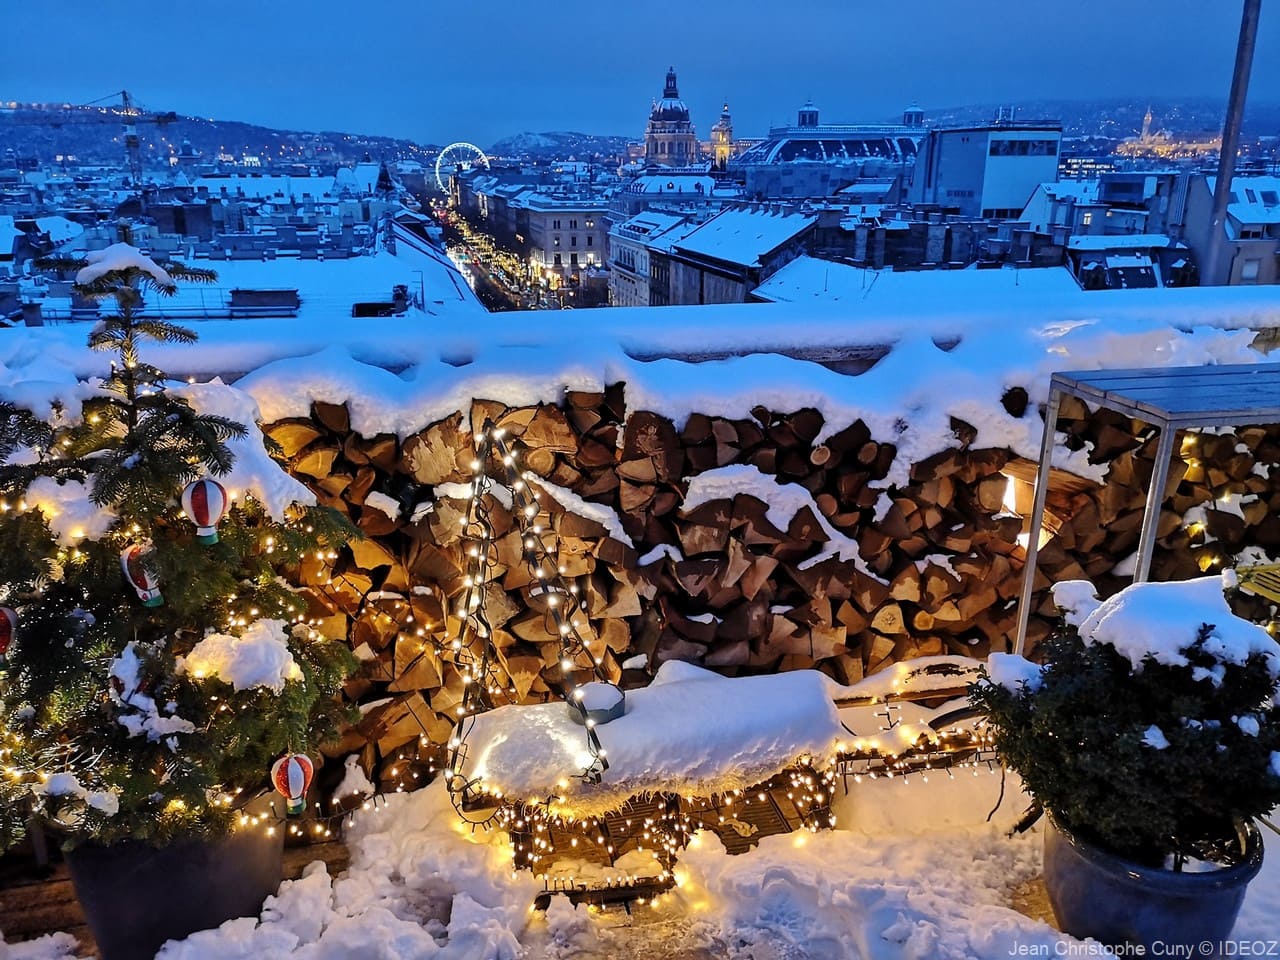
690	731
1083	191
742	235
9	235
834	143
650	226
266	186
327	289
1127	261
59	229
809	280
1253	199
671	236
698	183
651	223
1132	241
862	191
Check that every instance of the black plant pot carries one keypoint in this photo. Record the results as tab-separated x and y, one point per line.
135	896
1119	902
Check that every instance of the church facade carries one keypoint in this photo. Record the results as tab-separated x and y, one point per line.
722	139
669	138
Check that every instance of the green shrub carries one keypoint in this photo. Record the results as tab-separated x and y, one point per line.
1154	739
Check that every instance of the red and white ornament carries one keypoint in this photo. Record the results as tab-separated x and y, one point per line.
291	776
8	630
205	502
139	577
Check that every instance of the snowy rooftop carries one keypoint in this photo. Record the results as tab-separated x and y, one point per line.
8	234
1253	199
698	184
1132	241
327	288
359	180
648	224
59	229
809	280
266	186
742	235
1083	191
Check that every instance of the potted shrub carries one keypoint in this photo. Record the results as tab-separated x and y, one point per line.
156	663
1151	738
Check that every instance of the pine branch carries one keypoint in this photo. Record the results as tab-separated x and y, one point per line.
61	263
164	332
22	428
187	274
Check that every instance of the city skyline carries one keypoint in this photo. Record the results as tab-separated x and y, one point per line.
442	75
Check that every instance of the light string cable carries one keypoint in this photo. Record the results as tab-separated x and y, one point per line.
478	669
564	613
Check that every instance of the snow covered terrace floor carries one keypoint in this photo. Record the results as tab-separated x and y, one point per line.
916	874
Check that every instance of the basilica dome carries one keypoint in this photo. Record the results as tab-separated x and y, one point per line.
670	107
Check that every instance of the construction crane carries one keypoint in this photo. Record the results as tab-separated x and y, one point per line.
130	116
133	115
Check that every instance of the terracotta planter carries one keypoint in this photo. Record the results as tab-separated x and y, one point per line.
1116	901
135	896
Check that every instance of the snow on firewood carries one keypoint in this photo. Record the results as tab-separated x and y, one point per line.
783	500
383	503
574	504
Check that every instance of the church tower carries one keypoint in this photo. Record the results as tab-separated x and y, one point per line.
722	138
669	138
1146	125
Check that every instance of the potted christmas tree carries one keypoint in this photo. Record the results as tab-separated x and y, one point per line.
1151	737
157	665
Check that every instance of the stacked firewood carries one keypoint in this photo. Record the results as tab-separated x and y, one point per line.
725	582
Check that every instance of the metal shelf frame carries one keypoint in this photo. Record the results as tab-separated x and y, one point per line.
1172	399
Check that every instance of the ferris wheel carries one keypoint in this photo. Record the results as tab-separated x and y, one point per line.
455	155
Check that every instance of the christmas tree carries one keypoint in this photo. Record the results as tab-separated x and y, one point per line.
158	662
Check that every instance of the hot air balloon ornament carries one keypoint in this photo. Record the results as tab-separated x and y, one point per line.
8	630
140	578
291	776
205	501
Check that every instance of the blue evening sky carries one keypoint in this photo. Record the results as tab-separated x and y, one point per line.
467	70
